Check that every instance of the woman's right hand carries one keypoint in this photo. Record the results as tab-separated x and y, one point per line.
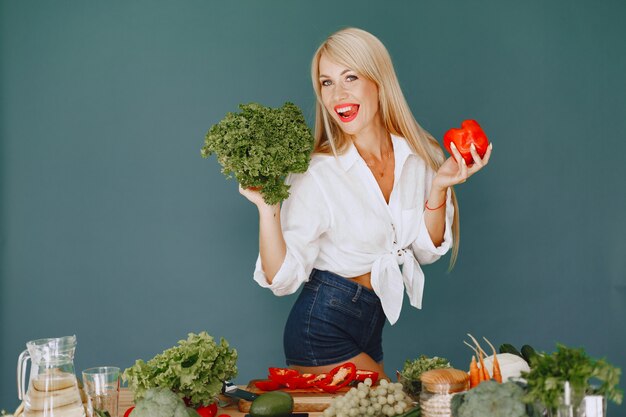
252	194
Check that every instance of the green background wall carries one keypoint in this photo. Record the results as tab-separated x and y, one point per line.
114	229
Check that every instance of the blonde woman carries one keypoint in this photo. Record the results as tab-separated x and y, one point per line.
375	204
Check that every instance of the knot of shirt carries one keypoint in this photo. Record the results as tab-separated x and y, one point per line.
389	282
400	256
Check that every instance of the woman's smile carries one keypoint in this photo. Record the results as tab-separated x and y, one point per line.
347	112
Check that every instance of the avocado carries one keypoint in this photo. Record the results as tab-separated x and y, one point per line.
272	404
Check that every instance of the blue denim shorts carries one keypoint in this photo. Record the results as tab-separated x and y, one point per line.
334	319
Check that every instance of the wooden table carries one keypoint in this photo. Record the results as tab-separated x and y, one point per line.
126	401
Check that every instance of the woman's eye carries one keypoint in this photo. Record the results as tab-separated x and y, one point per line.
351	78
326	83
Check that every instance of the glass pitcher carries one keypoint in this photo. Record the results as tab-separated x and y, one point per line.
52	387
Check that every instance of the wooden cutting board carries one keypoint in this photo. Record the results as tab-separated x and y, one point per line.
304	399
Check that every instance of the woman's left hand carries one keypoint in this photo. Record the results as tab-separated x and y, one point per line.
455	171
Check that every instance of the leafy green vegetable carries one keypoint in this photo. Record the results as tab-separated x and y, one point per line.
413	369
161	402
194	370
260	146
490	399
549	372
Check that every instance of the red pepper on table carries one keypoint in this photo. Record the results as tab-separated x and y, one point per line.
267	385
362	375
207	411
470	132
282	375
339	377
316	381
299	381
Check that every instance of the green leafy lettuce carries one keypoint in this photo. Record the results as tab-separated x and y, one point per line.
260	146
194	369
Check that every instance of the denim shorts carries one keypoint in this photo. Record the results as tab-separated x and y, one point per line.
334	319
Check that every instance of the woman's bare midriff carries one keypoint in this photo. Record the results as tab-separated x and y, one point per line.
364	280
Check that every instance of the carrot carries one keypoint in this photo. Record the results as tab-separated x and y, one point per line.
479	371
485	373
474	377
497	375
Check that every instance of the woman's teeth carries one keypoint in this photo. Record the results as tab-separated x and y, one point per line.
347	113
343	109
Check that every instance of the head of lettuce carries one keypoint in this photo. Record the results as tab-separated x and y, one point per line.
260	146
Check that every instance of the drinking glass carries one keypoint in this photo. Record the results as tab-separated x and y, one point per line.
102	387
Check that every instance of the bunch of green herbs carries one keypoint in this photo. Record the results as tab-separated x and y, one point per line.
260	146
194	369
548	373
413	369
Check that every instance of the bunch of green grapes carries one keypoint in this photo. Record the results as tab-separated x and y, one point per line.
387	399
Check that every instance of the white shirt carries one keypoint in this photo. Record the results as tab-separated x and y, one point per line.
336	219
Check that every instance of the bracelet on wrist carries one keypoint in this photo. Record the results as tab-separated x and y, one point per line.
436	208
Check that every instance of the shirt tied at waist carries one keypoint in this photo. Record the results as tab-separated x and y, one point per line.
389	282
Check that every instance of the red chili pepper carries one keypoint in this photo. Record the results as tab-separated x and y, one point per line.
470	132
267	385
207	411
282	375
130	410
339	377
362	375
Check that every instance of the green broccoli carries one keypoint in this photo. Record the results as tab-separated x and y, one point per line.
162	402
490	399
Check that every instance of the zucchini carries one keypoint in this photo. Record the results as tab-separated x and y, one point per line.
509	348
528	353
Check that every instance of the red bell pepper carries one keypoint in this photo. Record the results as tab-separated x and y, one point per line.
207	411
362	375
339	377
469	133
299	381
316	381
267	385
282	375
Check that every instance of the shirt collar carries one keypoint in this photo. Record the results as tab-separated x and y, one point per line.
401	151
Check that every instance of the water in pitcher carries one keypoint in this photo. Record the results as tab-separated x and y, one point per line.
52	388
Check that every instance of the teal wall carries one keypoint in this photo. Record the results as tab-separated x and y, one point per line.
114	229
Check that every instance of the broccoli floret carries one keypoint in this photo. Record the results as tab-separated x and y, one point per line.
491	399
162	402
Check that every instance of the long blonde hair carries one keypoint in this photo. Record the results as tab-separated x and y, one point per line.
366	55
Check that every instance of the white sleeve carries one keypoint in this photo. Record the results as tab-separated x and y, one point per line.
304	218
423	246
